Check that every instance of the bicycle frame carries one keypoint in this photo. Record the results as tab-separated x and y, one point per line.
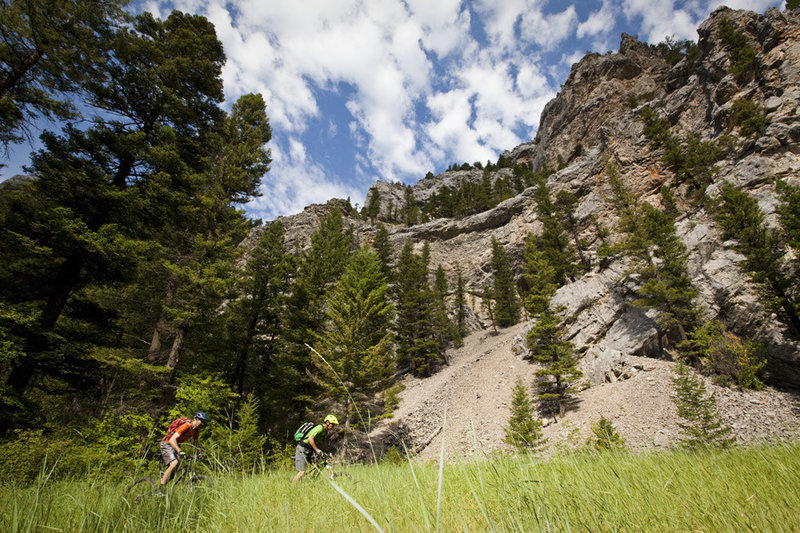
317	469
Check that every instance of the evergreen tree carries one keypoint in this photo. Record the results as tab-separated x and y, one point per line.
442	327
356	341
373	207
660	258
411	210
255	320
383	248
539	277
605	437
417	347
740	218
700	425
106	194
789	213
48	50
319	268
507	306
524	430
560	372
554	239
460	309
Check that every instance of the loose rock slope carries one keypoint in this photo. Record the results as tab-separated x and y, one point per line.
475	393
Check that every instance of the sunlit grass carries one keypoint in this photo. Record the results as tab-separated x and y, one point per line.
743	489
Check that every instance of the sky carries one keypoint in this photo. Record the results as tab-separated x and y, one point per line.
361	90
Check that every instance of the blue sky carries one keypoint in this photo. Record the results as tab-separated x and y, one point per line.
390	89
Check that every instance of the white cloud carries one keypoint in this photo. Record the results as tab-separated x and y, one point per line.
426	83
599	23
295	182
548	31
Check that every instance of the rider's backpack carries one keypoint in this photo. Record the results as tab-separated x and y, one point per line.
175	424
303	430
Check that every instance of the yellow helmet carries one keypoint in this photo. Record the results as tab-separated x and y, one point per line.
332	419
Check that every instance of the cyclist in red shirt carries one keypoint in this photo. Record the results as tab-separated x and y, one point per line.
170	444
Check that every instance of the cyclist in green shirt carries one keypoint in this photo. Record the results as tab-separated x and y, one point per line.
313	446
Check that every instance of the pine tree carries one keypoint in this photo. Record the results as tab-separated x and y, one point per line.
356	341
524	430
660	258
560	372
417	347
50	49
507	306
383	248
605	437
254	321
539	277
740	218
700	425
373	207
460	309
319	269
442	327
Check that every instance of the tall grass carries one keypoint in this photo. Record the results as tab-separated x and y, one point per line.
743	489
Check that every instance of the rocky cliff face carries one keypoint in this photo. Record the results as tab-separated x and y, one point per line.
594	119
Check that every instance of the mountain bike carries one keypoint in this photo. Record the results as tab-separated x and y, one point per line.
183	474
322	468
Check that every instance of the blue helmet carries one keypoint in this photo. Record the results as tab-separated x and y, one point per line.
201	415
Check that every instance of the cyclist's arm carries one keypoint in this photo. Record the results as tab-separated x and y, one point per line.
173	441
312	443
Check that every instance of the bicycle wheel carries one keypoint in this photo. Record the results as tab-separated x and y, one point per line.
141	488
198	481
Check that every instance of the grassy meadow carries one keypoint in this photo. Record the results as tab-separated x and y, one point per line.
742	489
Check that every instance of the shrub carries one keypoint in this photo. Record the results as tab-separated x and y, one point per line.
743	57
605	437
749	117
700	426
727	355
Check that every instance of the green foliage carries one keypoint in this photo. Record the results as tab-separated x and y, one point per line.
660	258
788	211
792	4
356	342
674	51
743	57
524	430
49	49
692	161
739	217
538	275
239	445
700	425
721	352
749	117
507	306
393	456
605	436
32	454
417	345
560	373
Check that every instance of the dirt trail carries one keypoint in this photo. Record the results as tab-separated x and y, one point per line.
475	392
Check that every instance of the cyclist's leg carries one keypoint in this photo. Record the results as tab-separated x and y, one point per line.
301	462
170	457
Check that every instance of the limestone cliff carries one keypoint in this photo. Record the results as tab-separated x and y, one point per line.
594	119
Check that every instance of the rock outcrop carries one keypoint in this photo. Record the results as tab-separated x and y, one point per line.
595	119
